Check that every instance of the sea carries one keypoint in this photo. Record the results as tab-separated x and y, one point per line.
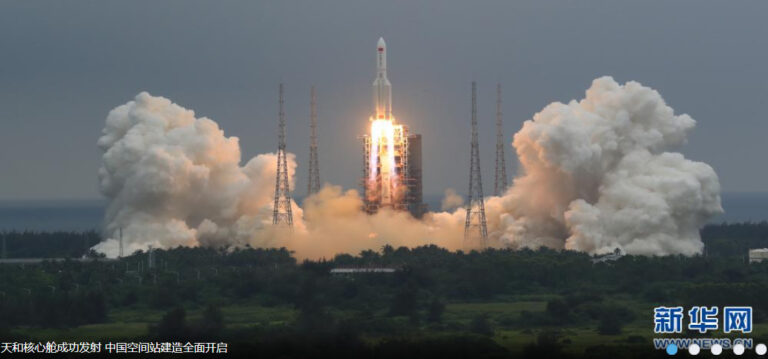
86	215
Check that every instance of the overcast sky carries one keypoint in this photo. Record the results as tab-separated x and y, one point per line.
65	64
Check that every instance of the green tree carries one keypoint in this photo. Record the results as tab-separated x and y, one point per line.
435	311
611	319
547	346
481	325
173	325
212	322
404	302
559	310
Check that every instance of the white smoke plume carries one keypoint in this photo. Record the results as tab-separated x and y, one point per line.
452	200
175	180
596	175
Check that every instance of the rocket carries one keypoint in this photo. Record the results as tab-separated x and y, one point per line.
387	149
382	89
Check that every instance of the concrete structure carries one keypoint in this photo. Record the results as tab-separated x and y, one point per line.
758	255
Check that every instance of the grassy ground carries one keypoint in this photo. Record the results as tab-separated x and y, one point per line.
574	338
130	323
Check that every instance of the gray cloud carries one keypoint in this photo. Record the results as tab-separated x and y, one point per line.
65	65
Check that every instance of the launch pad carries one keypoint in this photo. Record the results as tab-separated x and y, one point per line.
391	156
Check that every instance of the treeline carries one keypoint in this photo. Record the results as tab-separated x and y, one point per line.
726	239
734	239
64	309
196	277
410	303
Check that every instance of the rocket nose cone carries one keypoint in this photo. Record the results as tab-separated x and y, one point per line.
381	42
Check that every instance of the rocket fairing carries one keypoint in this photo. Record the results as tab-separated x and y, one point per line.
382	89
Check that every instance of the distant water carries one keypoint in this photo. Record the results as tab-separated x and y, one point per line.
80	215
83	215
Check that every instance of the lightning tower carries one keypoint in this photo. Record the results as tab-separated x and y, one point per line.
500	182
313	185
475	229
120	255
281	215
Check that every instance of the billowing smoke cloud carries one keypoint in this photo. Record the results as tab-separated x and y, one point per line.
336	224
175	180
452	200
596	175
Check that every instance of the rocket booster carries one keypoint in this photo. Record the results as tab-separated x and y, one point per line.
382	89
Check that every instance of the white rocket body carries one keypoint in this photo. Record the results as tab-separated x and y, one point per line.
382	89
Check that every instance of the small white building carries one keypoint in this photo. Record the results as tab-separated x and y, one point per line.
610	257
758	255
363	270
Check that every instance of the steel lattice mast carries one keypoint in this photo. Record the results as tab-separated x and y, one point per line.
282	214
313	185
500	182
475	230
120	254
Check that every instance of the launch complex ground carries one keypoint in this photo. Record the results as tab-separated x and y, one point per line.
392	161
